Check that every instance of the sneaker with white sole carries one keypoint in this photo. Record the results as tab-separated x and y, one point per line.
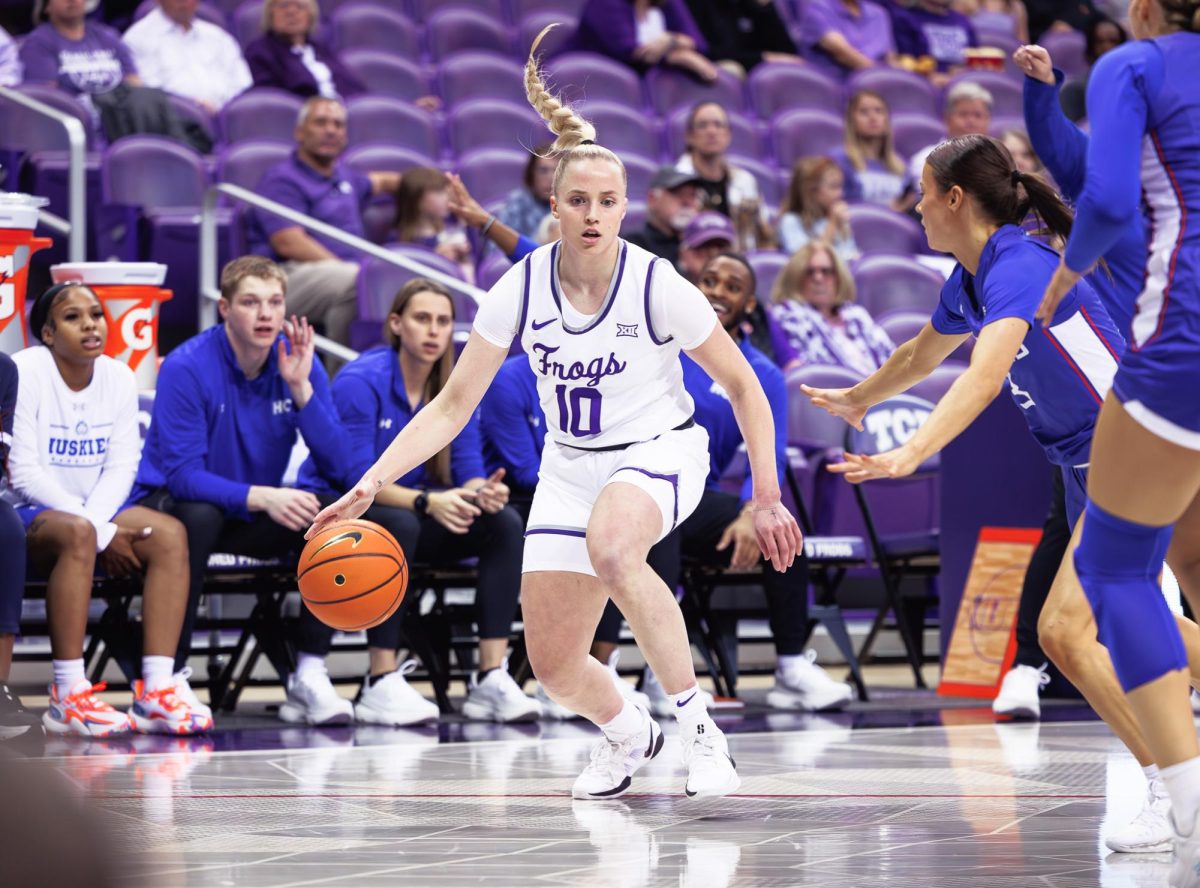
183	690
1185	872
711	771
805	685
1019	691
551	709
164	712
83	714
312	700
610	771
497	697
628	691
391	700
660	703
1150	831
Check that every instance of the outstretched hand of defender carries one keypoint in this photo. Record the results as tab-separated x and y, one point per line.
858	467
778	535
1060	285
352	505
837	402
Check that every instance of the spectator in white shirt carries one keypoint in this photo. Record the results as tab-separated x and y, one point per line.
10	61
187	56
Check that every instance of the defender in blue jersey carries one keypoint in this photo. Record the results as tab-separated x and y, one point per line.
1145	149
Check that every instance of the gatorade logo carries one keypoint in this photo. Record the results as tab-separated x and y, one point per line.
137	329
8	291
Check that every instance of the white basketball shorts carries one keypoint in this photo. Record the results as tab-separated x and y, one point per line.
672	468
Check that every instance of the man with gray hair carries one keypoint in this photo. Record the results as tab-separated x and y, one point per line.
967	111
314	181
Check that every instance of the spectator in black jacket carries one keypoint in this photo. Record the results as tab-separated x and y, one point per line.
743	33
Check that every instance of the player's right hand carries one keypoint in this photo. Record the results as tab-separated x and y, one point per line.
836	402
351	505
1035	61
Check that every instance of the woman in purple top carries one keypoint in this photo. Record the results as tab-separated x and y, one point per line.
76	55
643	34
287	57
843	36
814	318
932	28
874	171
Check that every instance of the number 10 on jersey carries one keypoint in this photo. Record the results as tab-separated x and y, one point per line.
578	410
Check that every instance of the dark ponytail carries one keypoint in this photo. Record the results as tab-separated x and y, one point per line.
983	168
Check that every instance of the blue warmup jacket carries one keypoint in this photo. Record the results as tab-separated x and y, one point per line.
512	423
214	433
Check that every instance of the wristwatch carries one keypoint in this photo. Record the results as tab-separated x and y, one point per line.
421	504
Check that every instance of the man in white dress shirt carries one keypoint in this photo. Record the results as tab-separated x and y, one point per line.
187	56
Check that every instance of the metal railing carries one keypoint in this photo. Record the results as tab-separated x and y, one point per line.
210	293
75	225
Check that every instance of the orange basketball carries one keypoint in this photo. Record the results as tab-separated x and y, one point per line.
352	575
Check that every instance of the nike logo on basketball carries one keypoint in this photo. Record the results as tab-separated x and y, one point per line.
348	535
683	703
538	326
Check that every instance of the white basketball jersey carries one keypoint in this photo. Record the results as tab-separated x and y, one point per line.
614	380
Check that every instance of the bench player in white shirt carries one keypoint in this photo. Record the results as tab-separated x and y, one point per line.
603	322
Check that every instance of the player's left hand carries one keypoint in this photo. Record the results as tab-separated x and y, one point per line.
492	495
1062	282
779	537
858	467
295	364
352	504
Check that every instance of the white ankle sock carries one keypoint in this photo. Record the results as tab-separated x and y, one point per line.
628	722
310	664
688	705
1183	786
67	674
1151	772
157	672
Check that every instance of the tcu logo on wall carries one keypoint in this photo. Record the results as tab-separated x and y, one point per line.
893	426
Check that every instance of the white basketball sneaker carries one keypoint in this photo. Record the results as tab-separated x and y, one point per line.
183	690
1185	873
499	698
805	685
710	769
1019	691
312	700
613	763
1150	831
391	700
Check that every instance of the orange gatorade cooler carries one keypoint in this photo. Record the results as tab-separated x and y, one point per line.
131	293
18	219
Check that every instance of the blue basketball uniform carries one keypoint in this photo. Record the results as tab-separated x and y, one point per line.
1145	148
1063	371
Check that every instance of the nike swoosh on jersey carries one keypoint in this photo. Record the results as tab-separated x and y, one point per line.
538	326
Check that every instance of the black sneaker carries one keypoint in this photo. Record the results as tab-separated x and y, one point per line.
15	719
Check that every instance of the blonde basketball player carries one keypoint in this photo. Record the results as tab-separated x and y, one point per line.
603	323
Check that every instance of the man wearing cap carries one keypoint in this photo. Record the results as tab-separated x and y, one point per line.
671	203
704	237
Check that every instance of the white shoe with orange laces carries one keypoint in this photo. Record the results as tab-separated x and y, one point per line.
83	714
164	712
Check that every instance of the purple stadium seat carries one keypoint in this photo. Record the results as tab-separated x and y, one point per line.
378	283
153	171
880	230
450	29
902	326
589	76
904	91
482	123
811	428
204	11
624	129
912	132
247	21
421	10
1000	40
768	180
189	111
891	283
1003	123
22	130
1067	49
386	74
366	26
767	265
244	163
1007	99
261	113
669	88
475	74
639	171
532	24
522	8
776	87
388	120
491	173
747	137
491	270
803	133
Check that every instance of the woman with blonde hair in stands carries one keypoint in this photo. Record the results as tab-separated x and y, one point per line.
603	323
815	319
874	171
814	209
422	205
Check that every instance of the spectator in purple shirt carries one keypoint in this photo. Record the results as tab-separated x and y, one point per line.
874	171
321	271
642	34
843	36
932	28
78	56
288	57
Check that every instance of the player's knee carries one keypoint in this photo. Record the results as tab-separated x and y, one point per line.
167	541
78	537
616	566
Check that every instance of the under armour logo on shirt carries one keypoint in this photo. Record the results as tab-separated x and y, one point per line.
627	330
385	423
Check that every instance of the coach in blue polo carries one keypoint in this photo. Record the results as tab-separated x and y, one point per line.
321	271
